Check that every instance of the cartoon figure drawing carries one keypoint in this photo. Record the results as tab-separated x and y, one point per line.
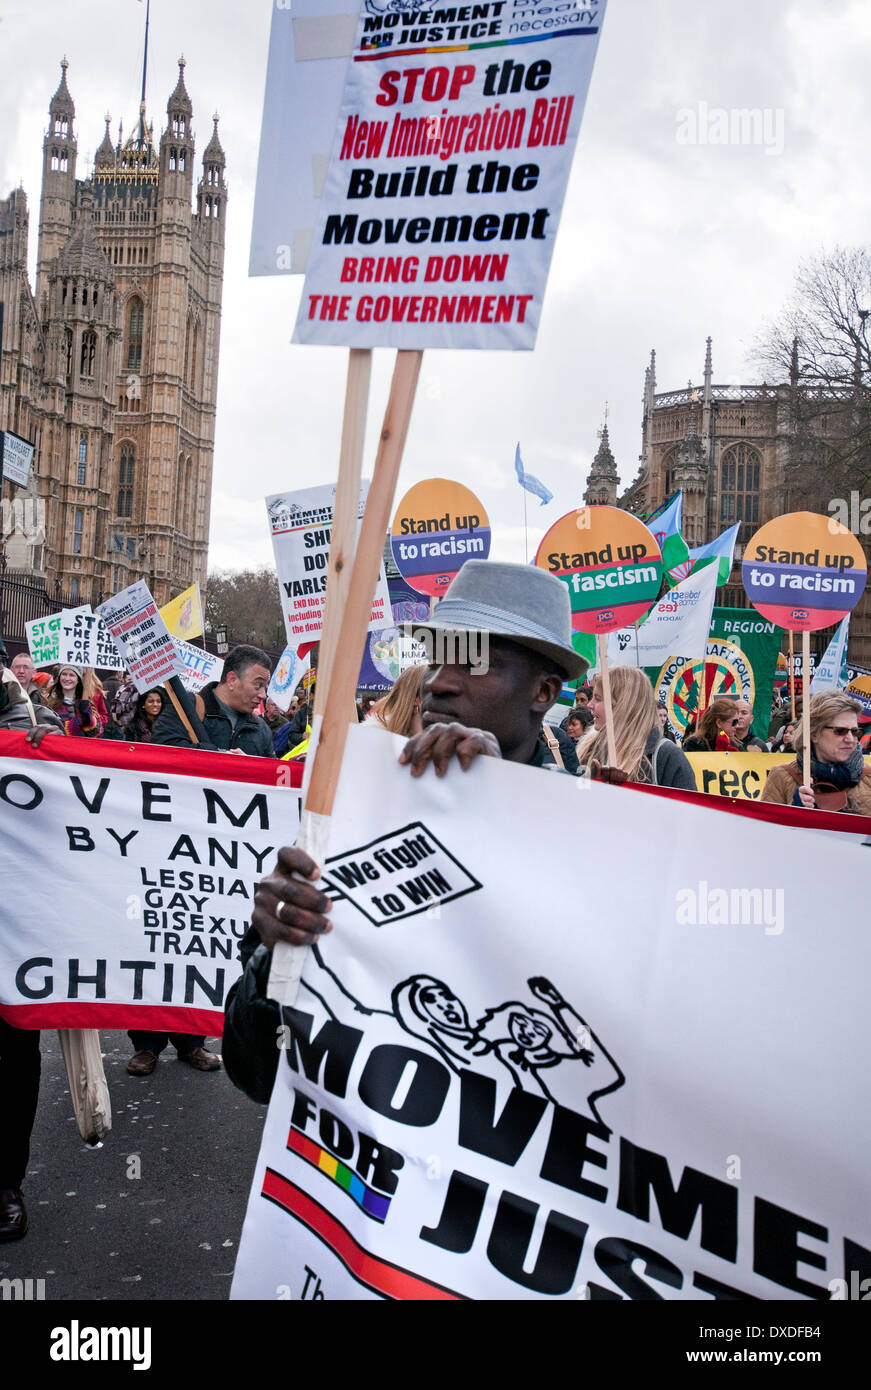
518	1042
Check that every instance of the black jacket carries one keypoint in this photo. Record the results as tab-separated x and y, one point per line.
251	733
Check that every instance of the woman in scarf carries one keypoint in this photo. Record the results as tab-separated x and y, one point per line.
840	780
67	699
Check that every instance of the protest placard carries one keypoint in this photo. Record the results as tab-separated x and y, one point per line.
140	634
437	527
84	640
43	635
447	176
804	571
200	667
309	46
289	671
177	842
17	456
301	524
677	625
609	562
566	1114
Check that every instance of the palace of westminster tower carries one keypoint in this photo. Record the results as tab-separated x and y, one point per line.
110	366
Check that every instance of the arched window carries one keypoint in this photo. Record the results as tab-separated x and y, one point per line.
126	467
89	352
135	320
182	161
69	351
178	127
82	472
61	127
173	157
739	490
668	464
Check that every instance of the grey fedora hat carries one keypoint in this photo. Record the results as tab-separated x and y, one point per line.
519	602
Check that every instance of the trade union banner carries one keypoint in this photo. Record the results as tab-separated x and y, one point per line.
516	1070
448	170
129	873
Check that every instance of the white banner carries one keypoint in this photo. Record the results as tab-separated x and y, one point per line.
300	524
677	625
141	636
200	667
287	675
129	874
508	1075
447	175
85	640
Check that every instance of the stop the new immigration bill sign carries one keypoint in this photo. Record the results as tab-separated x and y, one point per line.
447	176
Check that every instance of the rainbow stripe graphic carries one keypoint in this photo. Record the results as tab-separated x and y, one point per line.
370	1202
470	47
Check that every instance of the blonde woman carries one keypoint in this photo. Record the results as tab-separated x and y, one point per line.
840	780
399	712
642	753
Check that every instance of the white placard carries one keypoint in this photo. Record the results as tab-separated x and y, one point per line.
300	524
84	640
447	175
141	636
200	667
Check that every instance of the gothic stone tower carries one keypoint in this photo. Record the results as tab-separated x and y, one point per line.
112	367
602	478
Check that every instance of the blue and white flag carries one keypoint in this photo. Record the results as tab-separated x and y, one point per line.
831	674
531	484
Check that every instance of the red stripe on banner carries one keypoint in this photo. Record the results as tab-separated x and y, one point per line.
379	1275
154	757
147	1017
769	811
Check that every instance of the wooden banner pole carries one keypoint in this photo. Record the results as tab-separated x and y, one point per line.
806	707
177	706
602	640
791	678
288	961
343	538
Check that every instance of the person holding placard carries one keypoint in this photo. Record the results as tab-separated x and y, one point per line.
67	698
840	781
643	755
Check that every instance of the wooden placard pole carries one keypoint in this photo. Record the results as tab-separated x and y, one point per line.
288	961
806	708
343	537
602	640
180	711
791	678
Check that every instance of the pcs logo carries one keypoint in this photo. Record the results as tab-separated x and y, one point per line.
799	615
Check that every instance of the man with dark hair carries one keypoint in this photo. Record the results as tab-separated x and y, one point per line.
225	709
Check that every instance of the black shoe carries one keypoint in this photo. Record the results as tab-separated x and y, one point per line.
13	1214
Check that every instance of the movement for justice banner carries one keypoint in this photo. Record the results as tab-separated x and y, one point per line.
573	1082
448	171
129	873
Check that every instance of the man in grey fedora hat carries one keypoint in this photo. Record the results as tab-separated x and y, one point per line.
488	704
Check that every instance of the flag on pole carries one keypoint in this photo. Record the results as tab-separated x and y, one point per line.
666	527
677	625
527	481
832	674
183	614
721	549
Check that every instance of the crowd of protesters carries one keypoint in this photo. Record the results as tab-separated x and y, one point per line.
443	711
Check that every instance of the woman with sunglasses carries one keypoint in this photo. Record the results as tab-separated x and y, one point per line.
839	777
716	731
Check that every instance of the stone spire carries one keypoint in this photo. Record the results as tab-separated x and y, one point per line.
602	479
106	151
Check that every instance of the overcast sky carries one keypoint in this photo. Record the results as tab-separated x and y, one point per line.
661	243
